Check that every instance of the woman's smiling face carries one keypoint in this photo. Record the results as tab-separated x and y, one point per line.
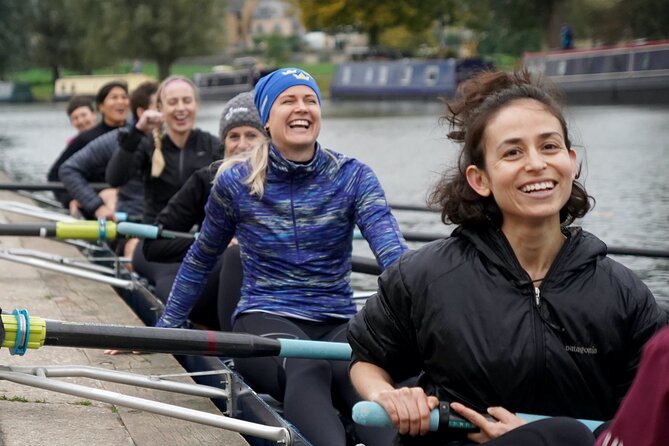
529	171
295	119
178	105
115	107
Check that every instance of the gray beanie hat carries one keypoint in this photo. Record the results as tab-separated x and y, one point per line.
240	111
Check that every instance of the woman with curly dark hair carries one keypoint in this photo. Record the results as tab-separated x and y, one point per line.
517	311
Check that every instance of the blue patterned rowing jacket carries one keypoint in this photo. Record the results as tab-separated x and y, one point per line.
295	241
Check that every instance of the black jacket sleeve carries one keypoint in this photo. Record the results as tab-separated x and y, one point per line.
130	155
184	210
383	333
86	166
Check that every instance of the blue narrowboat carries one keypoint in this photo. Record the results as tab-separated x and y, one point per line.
405	79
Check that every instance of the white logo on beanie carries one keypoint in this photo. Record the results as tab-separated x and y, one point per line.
234	110
297	74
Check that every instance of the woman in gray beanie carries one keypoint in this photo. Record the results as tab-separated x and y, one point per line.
240	131
240	127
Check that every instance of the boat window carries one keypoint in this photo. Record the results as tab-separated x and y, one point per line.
652	60
369	75
346	76
431	74
383	75
407	72
558	68
608	64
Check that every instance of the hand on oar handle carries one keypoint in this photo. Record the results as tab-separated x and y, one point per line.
369	413
502	422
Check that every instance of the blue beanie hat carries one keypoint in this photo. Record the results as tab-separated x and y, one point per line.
271	86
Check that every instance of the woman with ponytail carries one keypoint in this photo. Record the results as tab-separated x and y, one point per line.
293	204
167	158
176	150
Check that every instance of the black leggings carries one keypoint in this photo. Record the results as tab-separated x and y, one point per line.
230	285
313	392
162	275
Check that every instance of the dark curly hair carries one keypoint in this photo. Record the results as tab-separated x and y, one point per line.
477	100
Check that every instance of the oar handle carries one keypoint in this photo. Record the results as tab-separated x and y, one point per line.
369	413
298	348
150	231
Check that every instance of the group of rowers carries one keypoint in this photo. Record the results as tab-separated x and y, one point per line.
516	311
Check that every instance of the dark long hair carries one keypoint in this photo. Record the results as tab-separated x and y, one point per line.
478	99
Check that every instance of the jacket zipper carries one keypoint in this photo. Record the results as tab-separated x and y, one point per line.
292	211
181	165
540	342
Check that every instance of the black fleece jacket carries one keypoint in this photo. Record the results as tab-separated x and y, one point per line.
184	210
135	152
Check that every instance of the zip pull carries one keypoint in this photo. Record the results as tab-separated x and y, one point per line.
537	296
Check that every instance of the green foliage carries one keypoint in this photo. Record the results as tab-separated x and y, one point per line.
370	16
83	403
323	73
277	49
165	31
14	18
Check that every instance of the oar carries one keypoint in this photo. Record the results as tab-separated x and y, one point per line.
46	186
22	332
614	250
89	230
411	207
369	413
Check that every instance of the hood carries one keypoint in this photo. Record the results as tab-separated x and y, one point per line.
580	250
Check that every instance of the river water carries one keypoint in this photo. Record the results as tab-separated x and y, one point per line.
624	152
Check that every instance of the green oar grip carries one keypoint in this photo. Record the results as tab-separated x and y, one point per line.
23	332
101	229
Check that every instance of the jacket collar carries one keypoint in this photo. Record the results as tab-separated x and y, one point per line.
580	248
283	167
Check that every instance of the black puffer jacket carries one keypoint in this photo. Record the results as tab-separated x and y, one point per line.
463	311
201	150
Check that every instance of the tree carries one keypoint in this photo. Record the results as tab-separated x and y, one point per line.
370	16
165	31
646	18
14	18
65	35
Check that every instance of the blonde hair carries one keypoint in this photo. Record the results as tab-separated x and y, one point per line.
158	159
258	159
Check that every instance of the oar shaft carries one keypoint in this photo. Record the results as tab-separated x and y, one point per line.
46	186
159	340
28	229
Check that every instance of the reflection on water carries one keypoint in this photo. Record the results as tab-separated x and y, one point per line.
625	152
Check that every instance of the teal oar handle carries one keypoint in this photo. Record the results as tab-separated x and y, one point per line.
369	413
150	231
299	348
138	230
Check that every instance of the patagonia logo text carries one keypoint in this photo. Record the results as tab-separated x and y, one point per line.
581	350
